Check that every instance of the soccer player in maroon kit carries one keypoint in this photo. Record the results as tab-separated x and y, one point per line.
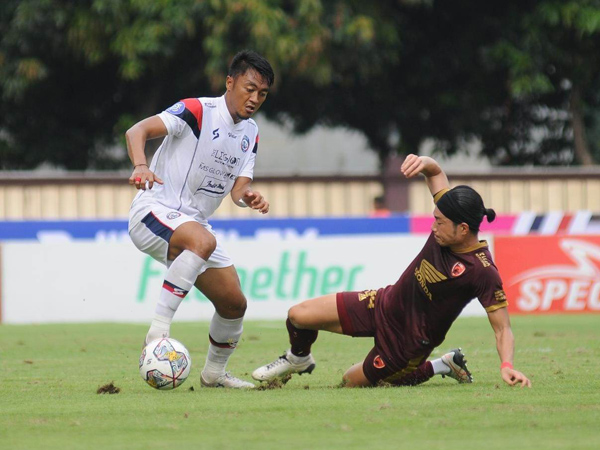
411	318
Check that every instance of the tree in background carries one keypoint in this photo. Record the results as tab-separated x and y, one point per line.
521	78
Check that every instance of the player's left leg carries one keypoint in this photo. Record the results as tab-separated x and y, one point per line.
222	287
303	324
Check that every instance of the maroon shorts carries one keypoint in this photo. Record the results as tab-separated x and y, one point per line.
359	318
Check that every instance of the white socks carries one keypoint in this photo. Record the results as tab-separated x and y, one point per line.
439	367
296	359
180	278
224	335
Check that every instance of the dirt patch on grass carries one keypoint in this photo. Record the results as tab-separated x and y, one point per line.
109	388
277	383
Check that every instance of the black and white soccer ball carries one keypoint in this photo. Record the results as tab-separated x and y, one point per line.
165	363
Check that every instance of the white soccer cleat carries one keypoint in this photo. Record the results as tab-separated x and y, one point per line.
282	366
457	363
226	381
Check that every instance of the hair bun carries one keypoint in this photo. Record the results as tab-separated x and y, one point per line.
490	214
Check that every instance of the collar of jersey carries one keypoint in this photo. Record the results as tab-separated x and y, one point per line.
480	244
226	117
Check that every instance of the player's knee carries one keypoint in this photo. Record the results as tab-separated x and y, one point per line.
355	377
235	309
203	247
297	314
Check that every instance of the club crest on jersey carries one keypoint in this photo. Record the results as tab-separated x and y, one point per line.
173	215
458	269
378	362
245	143
177	108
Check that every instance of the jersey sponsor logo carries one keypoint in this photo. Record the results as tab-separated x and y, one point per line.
500	296
225	159
378	362
173	215
368	295
426	273
177	108
210	105
215	133
231	135
218	172
212	187
481	256
458	269
245	143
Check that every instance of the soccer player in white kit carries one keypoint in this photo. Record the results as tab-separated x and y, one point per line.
209	150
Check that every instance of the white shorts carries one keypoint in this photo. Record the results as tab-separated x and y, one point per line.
151	229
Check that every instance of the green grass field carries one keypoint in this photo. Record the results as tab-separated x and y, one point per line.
50	374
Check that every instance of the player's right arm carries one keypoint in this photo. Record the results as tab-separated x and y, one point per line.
505	344
136	137
435	177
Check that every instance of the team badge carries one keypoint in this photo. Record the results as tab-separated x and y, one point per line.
378	362
245	143
458	269
173	215
177	108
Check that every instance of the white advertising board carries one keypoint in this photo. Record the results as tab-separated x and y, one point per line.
97	282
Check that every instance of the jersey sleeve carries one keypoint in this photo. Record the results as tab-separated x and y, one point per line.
183	114
248	169
489	290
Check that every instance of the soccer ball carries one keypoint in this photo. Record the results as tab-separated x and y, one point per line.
165	363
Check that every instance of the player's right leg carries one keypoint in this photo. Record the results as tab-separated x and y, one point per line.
303	323
183	245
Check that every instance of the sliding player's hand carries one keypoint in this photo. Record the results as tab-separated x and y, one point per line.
412	166
513	377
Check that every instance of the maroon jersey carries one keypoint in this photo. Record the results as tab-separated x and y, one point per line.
420	308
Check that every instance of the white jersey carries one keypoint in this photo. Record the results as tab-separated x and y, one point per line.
199	160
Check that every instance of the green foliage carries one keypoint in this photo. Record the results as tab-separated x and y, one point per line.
52	372
400	72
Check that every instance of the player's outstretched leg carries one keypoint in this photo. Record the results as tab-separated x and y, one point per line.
454	365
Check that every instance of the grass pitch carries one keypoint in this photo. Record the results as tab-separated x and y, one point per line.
50	374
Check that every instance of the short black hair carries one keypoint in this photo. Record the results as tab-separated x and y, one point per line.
249	59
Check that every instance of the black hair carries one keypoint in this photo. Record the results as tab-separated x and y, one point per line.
464	204
249	59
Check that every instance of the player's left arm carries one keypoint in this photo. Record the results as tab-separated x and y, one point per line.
505	343
243	195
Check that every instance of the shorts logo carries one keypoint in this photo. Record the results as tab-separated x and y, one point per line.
458	269
378	362
245	143
177	108
173	215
